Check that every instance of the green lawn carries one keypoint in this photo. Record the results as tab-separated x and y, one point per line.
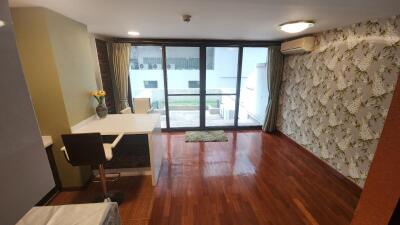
211	102
185	102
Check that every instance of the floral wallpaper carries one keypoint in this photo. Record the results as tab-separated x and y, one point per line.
334	100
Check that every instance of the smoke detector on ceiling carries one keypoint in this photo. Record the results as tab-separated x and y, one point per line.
186	18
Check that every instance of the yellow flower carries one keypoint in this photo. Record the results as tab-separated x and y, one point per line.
99	93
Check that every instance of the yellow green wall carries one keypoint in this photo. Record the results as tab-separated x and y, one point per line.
74	61
58	66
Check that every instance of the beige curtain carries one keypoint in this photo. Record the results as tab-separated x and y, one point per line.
120	54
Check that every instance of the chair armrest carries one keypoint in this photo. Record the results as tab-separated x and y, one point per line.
115	142
65	152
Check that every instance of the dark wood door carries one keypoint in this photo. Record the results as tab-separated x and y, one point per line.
377	205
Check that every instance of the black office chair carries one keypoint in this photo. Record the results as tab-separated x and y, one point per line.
89	149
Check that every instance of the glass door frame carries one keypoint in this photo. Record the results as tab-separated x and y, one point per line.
237	90
203	94
167	95
202	44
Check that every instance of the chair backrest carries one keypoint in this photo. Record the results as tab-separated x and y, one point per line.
127	110
141	105
84	149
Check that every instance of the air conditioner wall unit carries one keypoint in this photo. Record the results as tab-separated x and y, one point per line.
301	45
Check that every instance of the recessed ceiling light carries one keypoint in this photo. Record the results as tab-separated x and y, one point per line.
133	33
295	27
2	23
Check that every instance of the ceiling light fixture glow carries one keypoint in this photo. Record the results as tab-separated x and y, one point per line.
133	33
2	23
296	27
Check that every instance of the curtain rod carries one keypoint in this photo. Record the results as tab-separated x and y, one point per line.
196	42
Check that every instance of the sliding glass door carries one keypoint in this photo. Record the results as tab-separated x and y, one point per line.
202	87
147	78
221	86
183	86
253	87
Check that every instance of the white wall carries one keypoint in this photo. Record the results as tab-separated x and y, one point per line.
25	171
254	94
178	79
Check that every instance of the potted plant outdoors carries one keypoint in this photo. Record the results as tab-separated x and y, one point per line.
101	109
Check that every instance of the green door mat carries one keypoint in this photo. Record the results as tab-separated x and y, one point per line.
205	136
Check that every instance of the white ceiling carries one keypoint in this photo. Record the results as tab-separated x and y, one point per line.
214	19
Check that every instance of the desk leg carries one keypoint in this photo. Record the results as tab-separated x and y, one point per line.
156	153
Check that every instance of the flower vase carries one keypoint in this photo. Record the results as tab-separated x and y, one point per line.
101	110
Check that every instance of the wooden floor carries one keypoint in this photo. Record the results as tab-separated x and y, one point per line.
254	178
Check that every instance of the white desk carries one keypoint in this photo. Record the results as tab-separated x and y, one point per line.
47	141
115	124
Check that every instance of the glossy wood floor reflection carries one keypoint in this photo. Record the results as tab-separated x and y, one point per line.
254	178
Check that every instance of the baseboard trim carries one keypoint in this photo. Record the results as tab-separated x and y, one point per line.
48	197
320	161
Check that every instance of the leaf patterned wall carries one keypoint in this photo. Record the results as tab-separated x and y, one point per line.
334	101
